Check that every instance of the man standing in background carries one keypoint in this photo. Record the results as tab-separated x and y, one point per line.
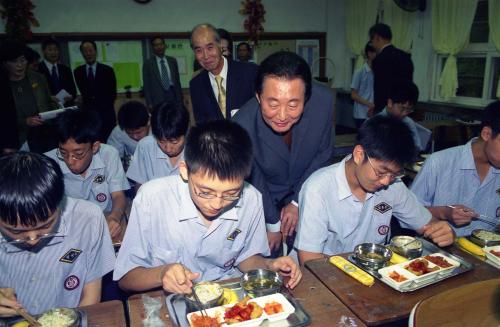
362	89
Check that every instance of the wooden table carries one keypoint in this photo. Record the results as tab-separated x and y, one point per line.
380	303
104	314
323	307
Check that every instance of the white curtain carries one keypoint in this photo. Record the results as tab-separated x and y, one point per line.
494	23
360	16
451	23
401	23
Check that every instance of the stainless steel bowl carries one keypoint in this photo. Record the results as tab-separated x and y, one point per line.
72	314
372	255
207	303
260	282
401	245
483	237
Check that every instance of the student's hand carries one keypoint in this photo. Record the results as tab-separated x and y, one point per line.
274	239
34	121
459	214
114	225
177	279
289	219
8	303
439	232
286	266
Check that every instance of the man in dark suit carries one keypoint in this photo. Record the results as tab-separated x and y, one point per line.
58	75
160	75
97	85
390	66
224	85
290	124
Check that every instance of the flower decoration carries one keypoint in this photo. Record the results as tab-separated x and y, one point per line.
253	23
20	18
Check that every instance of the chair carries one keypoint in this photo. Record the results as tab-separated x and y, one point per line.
476	304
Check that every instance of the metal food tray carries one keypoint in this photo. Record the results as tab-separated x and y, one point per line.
178	309
428	248
12	321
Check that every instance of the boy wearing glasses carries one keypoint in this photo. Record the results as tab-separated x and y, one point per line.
206	224
159	155
54	250
92	171
352	202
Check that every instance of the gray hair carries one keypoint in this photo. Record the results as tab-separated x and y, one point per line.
204	26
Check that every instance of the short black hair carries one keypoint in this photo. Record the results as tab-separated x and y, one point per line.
133	115
387	139
31	188
224	34
50	41
169	121
287	65
220	148
83	126
207	26
382	30
88	41
491	117
32	55
155	37
404	91
11	50
369	48
249	48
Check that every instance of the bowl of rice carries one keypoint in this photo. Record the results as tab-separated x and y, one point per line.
209	293
59	317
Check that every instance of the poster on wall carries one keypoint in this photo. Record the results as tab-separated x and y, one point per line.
182	52
309	50
267	47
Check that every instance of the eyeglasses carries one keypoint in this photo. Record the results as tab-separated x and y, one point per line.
28	239
391	176
74	156
210	196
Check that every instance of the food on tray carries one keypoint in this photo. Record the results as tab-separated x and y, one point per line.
495	253
407	242
470	247
59	317
21	324
272	308
438	261
420	267
397	277
229	296
204	321
396	258
208	291
353	271
487	235
242	311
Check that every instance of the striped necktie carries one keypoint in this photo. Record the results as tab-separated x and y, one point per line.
221	97
165	81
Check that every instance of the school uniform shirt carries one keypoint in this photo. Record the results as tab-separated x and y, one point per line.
362	82
104	176
450	177
55	276
150	162
120	140
411	125
165	228
332	220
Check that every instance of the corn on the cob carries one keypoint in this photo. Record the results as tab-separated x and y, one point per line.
352	270
470	247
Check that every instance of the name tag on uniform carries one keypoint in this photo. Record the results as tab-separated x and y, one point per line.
99	179
233	235
382	207
71	256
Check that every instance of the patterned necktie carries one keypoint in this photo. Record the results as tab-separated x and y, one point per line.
165	81
55	79
90	75
221	97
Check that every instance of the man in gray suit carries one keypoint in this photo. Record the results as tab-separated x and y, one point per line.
160	75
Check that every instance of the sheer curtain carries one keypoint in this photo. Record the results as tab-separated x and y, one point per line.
494	23
401	23
360	16
451	23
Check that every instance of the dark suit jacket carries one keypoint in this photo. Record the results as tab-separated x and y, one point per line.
153	90
277	172
390	66
65	79
9	138
239	89
100	96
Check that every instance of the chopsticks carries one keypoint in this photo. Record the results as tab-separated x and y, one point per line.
23	313
485	219
198	302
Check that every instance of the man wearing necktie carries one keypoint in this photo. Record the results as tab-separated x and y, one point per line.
160	75
97	85
224	85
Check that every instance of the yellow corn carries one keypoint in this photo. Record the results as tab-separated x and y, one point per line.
470	247
396	258
352	270
229	296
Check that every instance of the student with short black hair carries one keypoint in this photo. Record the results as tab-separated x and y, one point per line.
133	126
54	250
158	155
352	202
362	89
92	171
206	224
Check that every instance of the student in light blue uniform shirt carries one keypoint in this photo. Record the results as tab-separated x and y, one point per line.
92	171
206	224
53	250
351	202
159	155
462	183
362	89
133	126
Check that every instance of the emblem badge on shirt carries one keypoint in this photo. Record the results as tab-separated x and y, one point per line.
101	197
71	282
71	256
99	179
230	263
233	235
383	229
382	207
